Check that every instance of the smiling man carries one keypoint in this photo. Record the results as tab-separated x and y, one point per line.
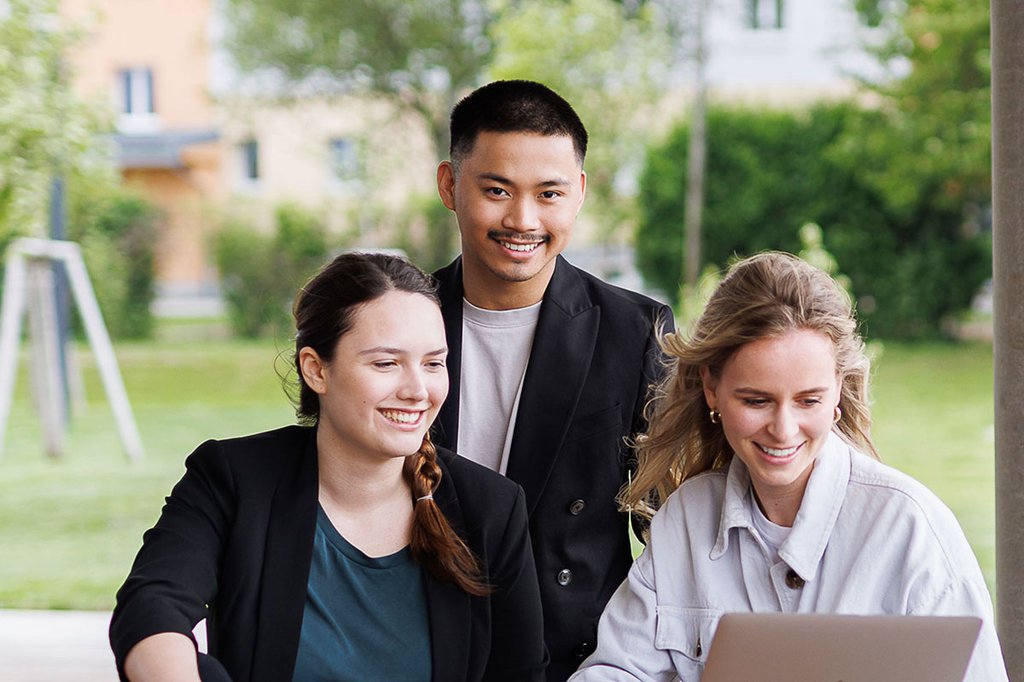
549	366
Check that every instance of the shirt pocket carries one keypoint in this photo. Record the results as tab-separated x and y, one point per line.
686	634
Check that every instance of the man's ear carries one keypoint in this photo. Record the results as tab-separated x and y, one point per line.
446	184
313	370
710	385
583	190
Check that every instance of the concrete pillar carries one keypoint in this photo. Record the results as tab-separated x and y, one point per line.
1008	285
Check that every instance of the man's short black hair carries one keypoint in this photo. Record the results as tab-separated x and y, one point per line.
514	106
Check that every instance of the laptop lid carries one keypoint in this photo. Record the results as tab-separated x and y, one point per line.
805	647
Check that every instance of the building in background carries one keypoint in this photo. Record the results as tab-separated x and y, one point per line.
151	60
349	159
785	51
206	145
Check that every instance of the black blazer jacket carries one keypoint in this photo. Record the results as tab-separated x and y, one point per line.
593	359
237	534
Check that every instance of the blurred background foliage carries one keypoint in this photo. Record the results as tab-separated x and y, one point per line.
44	128
116	230
611	70
421	56
900	187
261	272
769	172
49	133
897	176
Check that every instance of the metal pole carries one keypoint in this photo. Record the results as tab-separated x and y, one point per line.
58	231
1008	321
62	304
697	156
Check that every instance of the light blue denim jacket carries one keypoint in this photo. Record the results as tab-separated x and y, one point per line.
867	540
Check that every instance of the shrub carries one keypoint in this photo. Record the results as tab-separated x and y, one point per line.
768	173
427	232
116	231
261	273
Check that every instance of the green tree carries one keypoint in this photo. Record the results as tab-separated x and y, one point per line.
906	182
421	56
769	173
930	143
45	129
926	151
609	63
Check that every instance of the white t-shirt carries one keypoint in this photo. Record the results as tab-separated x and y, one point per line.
773	534
495	351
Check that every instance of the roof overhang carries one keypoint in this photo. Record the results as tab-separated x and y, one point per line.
160	150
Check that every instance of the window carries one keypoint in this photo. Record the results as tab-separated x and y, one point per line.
250	156
763	14
136	91
344	160
135	102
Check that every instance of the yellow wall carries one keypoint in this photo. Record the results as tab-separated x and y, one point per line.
168	36
184	198
173	38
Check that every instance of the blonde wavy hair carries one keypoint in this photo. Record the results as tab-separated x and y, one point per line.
760	297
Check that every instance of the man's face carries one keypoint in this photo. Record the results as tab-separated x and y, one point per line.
516	197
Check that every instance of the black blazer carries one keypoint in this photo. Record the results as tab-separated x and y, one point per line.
594	357
237	534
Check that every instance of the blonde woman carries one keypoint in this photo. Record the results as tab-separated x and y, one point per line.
772	496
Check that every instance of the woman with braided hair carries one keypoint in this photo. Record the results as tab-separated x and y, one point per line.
347	547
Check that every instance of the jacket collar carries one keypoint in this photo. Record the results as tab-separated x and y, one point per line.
450	291
565	339
566	336
287	557
823	498
450	608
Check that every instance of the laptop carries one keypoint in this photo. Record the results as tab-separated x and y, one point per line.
806	647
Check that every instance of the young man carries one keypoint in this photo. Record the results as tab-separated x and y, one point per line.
549	366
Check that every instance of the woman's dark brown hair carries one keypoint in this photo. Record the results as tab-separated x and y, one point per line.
324	311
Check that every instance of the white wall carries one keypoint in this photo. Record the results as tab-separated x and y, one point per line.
814	53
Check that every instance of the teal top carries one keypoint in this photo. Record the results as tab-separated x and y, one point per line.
365	618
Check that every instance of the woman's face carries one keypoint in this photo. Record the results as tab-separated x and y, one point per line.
777	397
382	390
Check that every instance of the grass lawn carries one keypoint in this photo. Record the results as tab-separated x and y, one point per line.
933	412
70	528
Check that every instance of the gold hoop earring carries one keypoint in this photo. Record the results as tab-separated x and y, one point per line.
838	415
715	416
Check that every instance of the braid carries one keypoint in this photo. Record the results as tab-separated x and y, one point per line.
434	545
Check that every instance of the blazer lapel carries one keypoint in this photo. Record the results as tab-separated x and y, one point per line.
563	347
288	553
450	608
446	426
